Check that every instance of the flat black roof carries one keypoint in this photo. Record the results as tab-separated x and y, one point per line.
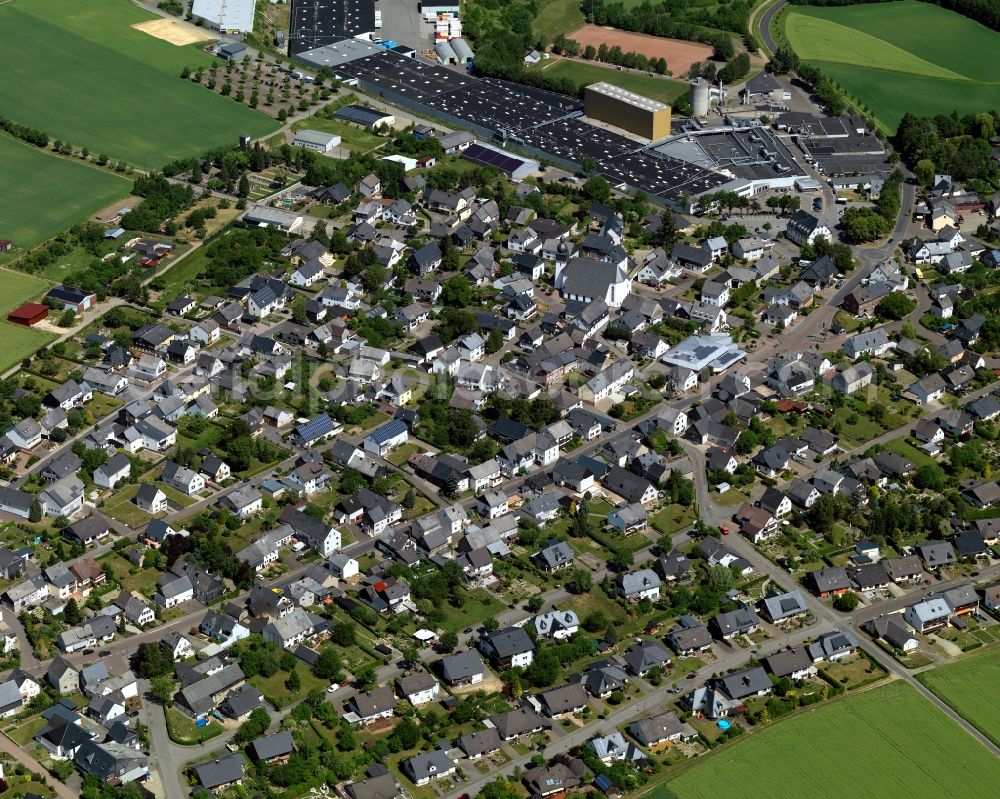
314	23
360	114
410	77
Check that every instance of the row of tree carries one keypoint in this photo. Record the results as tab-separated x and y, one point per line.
610	55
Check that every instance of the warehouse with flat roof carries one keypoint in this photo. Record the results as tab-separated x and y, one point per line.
226	16
316	140
627	110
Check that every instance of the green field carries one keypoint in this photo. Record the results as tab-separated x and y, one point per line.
935	63
888	742
51	192
583	74
558	16
972	687
79	72
16	341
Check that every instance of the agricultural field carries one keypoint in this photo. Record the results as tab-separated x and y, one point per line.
80	72
52	193
972	688
584	73
888	742
932	64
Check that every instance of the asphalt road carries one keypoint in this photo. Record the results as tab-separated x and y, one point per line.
764	26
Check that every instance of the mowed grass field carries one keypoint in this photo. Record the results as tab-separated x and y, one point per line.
557	16
938	61
584	73
43	193
16	341
889	742
972	688
78	71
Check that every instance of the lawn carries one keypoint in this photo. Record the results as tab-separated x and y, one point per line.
81	73
557	16
18	342
972	687
46	193
120	507
672	519
355	137
184	731
479	606
143	581
27	730
932	64
583	73
888	742
274	689
902	447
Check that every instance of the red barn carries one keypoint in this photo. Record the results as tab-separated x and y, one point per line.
31	313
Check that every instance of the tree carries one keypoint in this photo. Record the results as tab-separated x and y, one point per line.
328	665
71	613
823	514
846	602
895	305
162	690
930	476
494	341
501	788
366	677
719	579
35	514
535	603
580	581
294	682
864	224
448	641
152	660
299	309
924	171
67	318
735	69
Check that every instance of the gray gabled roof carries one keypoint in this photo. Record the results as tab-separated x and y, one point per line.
271	746
226	769
462	666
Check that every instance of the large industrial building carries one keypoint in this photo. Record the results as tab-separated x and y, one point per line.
675	167
226	16
749	154
627	110
316	23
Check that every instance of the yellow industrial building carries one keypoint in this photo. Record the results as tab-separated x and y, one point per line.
627	110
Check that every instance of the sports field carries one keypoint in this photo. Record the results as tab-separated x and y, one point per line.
972	688
888	742
583	73
678	55
44	194
938	61
80	72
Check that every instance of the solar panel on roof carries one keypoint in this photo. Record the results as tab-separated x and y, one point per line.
359	114
488	157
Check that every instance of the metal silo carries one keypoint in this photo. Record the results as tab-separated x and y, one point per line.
699	97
